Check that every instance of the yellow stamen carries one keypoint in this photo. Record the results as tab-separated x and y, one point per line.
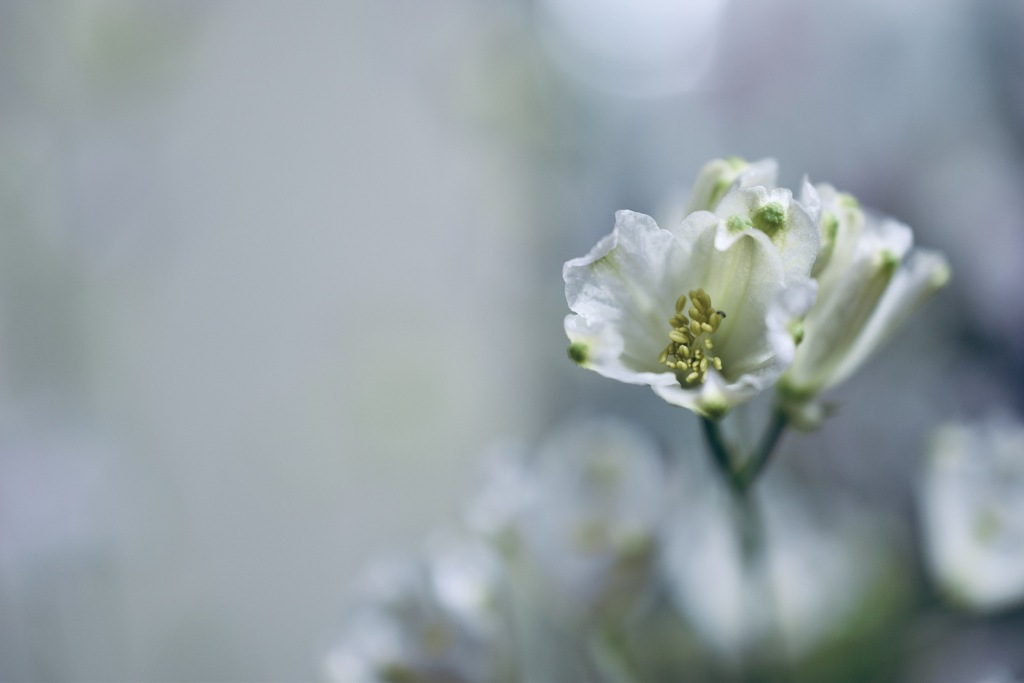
688	352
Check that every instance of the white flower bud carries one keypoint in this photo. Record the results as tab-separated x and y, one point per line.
972	503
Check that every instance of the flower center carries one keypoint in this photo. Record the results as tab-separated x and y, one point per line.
690	345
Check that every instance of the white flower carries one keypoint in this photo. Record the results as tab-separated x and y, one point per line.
972	503
821	567
437	618
690	311
870	279
581	516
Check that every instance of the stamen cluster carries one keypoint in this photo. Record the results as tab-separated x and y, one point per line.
690	345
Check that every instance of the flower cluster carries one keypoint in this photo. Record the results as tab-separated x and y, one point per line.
756	288
599	557
602	557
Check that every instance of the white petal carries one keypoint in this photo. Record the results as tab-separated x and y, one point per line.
764	172
744	275
882	233
868	270
718	177
715	397
810	200
836	323
746	280
625	290
797	243
600	492
922	274
840	239
789	307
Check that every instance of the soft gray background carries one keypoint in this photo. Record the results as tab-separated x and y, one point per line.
273	275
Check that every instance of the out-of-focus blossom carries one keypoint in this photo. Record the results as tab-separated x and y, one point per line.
870	280
506	489
607	564
820	575
436	619
972	504
582	516
687	311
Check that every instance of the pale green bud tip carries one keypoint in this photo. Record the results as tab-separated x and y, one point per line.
848	200
719	190
578	352
796	329
792	394
716	178
738	223
888	261
714	409
770	218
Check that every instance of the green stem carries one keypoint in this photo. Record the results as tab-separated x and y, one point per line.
742	473
758	598
608	651
740	476
719	450
753	466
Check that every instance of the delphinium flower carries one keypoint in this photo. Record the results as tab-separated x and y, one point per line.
870	279
699	311
972	505
439	618
583	574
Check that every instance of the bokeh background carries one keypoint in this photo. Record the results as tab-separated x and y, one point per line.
274	275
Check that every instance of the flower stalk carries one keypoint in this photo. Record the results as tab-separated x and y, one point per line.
756	289
740	474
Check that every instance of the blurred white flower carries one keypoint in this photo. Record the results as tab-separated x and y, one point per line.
583	515
436	619
822	572
687	311
972	504
506	489
870	279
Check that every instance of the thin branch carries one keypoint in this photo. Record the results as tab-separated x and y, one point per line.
753	466
719	450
